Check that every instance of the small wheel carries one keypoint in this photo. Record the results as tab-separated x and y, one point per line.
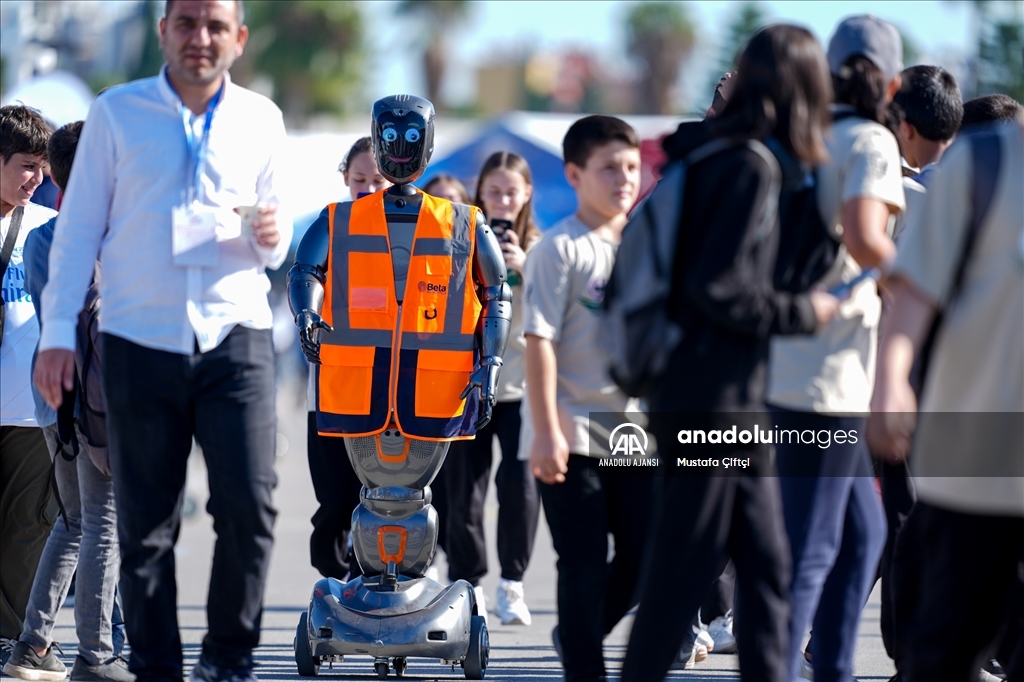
400	666
382	670
475	665
308	664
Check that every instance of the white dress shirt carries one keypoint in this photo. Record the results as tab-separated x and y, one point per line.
132	167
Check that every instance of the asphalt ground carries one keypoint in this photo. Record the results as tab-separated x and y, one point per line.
517	653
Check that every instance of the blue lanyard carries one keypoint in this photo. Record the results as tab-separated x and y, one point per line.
197	149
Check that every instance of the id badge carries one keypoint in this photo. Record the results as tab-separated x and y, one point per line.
194	236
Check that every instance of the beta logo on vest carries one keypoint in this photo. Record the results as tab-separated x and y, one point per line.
431	288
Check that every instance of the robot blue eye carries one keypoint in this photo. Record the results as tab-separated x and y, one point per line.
412	135
389	135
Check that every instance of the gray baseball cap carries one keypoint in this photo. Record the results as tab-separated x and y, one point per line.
867	35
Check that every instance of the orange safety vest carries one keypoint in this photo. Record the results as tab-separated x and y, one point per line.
416	366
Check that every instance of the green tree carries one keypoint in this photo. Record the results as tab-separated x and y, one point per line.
661	36
312	52
438	19
749	18
152	57
998	64
1001	59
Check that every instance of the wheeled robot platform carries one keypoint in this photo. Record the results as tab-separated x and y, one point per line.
414	617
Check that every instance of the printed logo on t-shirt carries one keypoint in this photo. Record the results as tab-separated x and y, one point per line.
14	280
593	297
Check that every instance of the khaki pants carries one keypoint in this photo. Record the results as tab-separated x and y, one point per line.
27	513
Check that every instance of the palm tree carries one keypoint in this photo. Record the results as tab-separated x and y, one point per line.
438	18
661	36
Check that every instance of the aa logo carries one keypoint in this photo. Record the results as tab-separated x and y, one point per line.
629	440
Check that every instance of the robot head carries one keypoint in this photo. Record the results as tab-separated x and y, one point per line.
402	131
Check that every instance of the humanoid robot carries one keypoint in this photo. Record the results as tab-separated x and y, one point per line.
401	303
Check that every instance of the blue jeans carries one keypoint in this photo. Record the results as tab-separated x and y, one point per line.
88	543
836	530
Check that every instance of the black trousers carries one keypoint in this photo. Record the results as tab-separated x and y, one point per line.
593	594
898	500
467	474
336	487
968	579
699	521
156	402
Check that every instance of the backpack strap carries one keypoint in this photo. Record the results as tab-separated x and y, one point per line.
986	155
11	239
5	259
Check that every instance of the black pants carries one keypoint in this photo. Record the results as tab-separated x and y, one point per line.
593	594
698	521
897	499
156	402
467	473
967	582
337	490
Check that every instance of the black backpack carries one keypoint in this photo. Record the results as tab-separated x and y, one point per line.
87	392
638	337
808	248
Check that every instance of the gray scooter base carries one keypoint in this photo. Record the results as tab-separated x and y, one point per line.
417	617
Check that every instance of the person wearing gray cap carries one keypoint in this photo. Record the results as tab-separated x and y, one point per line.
833	516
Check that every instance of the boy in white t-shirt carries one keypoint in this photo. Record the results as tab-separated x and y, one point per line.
27	511
565	279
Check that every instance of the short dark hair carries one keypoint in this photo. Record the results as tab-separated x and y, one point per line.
61	152
990	109
591	132
362	146
862	85
930	101
23	130
239	7
782	91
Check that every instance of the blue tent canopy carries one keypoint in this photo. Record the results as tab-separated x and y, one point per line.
553	198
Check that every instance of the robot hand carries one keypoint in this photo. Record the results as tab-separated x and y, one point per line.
310	324
485	378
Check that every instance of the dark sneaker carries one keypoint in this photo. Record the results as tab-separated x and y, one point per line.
6	649
204	672
26	664
557	641
114	670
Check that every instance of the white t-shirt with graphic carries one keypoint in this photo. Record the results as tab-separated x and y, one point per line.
21	329
565	277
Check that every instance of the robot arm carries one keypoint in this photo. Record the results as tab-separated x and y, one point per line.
306	286
495	319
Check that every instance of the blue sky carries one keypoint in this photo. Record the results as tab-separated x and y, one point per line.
942	29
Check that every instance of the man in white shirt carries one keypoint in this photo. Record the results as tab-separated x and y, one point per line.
161	165
27	512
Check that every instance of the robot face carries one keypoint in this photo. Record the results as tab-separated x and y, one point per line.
403	136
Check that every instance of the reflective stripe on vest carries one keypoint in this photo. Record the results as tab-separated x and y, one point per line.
360	382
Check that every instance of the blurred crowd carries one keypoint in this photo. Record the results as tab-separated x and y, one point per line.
838	247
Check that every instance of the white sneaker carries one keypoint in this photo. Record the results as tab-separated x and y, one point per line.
481	603
720	630
704	638
510	603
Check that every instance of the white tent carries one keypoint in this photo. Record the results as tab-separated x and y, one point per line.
62	97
